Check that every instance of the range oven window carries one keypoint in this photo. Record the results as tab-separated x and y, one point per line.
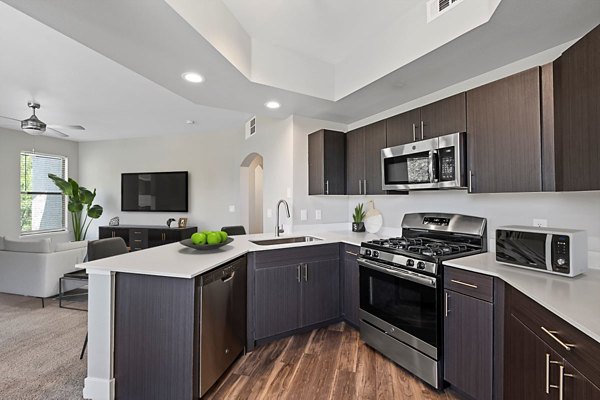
407	305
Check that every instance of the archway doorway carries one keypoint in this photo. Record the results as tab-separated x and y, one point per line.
251	191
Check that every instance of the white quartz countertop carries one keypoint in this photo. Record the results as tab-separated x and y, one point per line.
575	300
178	261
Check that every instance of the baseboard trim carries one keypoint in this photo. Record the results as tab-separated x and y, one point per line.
99	389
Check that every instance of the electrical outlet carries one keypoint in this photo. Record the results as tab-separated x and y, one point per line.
269	213
303	215
540	222
289	193
232	208
318	215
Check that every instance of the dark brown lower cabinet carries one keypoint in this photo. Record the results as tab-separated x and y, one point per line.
320	292
156	337
277	308
351	284
293	289
576	386
469	344
528	360
545	357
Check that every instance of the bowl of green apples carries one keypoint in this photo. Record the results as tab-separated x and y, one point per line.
207	240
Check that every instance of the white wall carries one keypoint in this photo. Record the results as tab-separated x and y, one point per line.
577	210
211	159
12	143
273	141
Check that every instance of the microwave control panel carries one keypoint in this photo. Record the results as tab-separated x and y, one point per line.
447	164
560	253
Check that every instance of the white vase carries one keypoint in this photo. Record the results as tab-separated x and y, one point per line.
373	218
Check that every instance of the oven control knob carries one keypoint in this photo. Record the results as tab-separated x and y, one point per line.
367	252
561	262
410	263
421	265
375	253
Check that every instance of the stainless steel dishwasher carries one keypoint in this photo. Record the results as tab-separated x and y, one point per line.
223	320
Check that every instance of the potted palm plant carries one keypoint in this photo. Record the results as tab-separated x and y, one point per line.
79	198
357	218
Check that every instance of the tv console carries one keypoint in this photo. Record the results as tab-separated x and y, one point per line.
139	237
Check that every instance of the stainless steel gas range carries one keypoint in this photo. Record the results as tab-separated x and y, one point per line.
401	288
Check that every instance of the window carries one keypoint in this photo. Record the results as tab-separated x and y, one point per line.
43	206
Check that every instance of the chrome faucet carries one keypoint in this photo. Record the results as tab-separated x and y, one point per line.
279	229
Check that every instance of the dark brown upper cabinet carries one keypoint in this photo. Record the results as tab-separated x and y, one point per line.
504	135
436	119
363	164
444	117
326	163
571	117
403	128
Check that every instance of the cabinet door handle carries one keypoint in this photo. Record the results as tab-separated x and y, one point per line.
463	283
422	130
552	334
548	385
547	373
326	187
138	233
305	266
351	253
561	382
414	133
298	272
446	297
359	186
365	182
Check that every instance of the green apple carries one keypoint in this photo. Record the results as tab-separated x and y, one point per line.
213	238
223	236
198	238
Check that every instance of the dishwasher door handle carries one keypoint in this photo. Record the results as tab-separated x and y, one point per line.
228	278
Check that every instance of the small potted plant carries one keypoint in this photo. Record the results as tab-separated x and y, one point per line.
358	217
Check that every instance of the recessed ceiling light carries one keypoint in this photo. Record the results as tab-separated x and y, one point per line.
190	122
193	77
272	104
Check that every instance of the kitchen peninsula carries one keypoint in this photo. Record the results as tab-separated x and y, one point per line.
163	282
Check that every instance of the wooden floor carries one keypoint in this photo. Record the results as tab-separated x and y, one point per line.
328	363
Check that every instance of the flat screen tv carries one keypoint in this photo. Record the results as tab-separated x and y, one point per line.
155	191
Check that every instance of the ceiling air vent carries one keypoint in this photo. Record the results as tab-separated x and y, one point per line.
435	8
251	127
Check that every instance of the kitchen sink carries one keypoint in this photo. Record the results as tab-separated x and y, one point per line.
285	240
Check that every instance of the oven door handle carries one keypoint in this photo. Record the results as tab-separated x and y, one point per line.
406	275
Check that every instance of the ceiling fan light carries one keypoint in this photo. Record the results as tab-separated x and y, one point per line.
33	126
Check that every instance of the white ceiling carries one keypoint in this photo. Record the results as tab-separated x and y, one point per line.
115	66
76	85
328	30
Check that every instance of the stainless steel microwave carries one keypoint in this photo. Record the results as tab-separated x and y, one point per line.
552	250
437	163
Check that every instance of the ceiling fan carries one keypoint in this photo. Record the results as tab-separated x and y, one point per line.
34	126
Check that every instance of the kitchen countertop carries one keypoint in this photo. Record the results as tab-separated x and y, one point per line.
177	261
573	299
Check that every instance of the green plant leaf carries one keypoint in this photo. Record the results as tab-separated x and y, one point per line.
86	196
74	189
359	214
64	186
95	211
75	206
